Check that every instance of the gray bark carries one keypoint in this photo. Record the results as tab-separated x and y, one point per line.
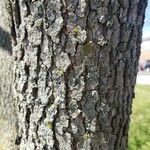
7	109
76	63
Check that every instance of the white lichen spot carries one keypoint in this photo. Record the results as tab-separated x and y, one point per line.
82	35
95	95
63	61
102	19
81	8
76	113
102	13
92	125
101	40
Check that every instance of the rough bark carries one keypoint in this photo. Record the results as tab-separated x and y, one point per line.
7	110
76	63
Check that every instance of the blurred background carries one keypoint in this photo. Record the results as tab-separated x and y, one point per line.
139	132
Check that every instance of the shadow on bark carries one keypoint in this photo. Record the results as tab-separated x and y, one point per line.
5	41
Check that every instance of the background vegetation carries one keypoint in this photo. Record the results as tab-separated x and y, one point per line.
139	132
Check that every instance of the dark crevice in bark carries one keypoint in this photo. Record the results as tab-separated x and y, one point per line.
121	3
65	43
34	141
27	70
41	120
63	30
18	135
17	13
53	54
13	28
22	54
35	92
28	3
66	87
18	140
131	37
83	96
28	114
26	36
67	91
76	49
117	141
125	74
64	12
45	147
49	71
25	87
24	46
74	143
129	9
87	27
56	142
39	51
47	78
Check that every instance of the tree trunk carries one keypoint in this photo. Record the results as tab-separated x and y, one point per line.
7	109
76	63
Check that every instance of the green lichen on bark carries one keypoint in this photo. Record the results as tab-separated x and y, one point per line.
76	29
88	48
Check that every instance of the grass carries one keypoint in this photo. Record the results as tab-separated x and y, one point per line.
139	132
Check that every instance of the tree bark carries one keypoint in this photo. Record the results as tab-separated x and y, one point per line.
7	109
76	63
